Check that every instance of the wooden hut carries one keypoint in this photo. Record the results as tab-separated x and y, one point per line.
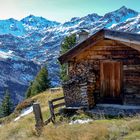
104	68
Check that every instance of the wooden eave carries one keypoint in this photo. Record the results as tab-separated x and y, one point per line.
129	39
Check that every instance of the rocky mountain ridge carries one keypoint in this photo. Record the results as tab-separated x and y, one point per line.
27	44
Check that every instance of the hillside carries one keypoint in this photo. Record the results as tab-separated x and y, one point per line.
28	43
97	129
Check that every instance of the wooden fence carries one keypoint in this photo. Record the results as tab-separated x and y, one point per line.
52	106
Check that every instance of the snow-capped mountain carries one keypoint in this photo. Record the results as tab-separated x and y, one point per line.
118	16
25	26
130	25
12	26
32	22
15	75
27	44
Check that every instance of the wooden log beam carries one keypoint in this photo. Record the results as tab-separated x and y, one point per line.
57	99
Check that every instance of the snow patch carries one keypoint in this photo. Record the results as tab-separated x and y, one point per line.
24	112
80	121
6	54
113	25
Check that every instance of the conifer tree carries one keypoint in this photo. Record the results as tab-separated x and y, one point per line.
67	44
6	106
40	84
28	92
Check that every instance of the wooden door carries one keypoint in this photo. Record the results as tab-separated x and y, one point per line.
110	79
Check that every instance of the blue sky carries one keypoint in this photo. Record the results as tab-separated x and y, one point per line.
61	10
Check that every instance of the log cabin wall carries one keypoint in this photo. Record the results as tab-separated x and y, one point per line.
84	72
79	89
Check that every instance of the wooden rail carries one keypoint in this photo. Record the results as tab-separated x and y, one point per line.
53	106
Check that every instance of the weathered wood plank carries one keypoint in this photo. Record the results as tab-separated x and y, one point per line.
51	107
48	121
81	47
59	105
57	99
122	36
38	114
132	45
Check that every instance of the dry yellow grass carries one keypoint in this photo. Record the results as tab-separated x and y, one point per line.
108	129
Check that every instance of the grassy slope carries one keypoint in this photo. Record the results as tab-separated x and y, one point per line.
112	129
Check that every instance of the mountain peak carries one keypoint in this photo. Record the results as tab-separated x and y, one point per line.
38	22
10	20
124	9
119	15
36	19
31	16
93	16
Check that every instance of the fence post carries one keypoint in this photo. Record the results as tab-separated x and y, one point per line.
51	111
38	117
